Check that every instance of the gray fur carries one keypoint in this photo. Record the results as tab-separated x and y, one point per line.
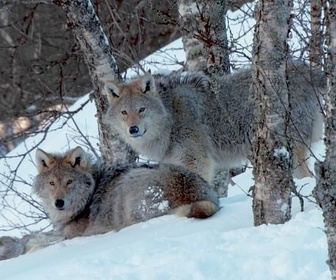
100	198
10	247
180	121
139	193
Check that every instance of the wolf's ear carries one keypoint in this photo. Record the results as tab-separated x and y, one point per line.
111	90
147	84
77	156
43	160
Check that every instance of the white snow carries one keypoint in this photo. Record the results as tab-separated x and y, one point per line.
189	9
154	193
282	152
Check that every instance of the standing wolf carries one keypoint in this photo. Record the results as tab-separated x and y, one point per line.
82	198
179	120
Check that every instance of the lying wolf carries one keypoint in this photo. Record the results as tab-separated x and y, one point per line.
82	198
179	120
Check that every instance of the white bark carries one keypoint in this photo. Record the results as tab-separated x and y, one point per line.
271	170
204	35
325	191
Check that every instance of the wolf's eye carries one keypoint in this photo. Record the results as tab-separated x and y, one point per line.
124	112
142	109
69	182
52	183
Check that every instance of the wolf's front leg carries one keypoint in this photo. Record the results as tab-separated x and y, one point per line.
41	240
11	247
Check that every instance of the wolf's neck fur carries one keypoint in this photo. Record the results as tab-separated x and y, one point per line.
156	148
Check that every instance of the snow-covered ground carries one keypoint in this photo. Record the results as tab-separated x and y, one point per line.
225	246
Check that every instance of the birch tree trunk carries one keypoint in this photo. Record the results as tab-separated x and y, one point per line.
102	66
204	36
325	191
316	52
272	166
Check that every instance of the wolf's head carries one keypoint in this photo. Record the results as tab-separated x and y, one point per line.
144	84
64	183
136	111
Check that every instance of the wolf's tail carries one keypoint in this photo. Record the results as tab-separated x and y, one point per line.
200	209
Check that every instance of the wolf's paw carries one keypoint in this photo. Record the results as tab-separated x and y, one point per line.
10	247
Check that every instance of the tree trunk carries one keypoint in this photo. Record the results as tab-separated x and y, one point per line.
325	191
316	52
102	66
204	36
272	165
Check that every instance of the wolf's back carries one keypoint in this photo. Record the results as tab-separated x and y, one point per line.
128	194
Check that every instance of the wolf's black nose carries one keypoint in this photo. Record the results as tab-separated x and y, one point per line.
59	203
133	129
